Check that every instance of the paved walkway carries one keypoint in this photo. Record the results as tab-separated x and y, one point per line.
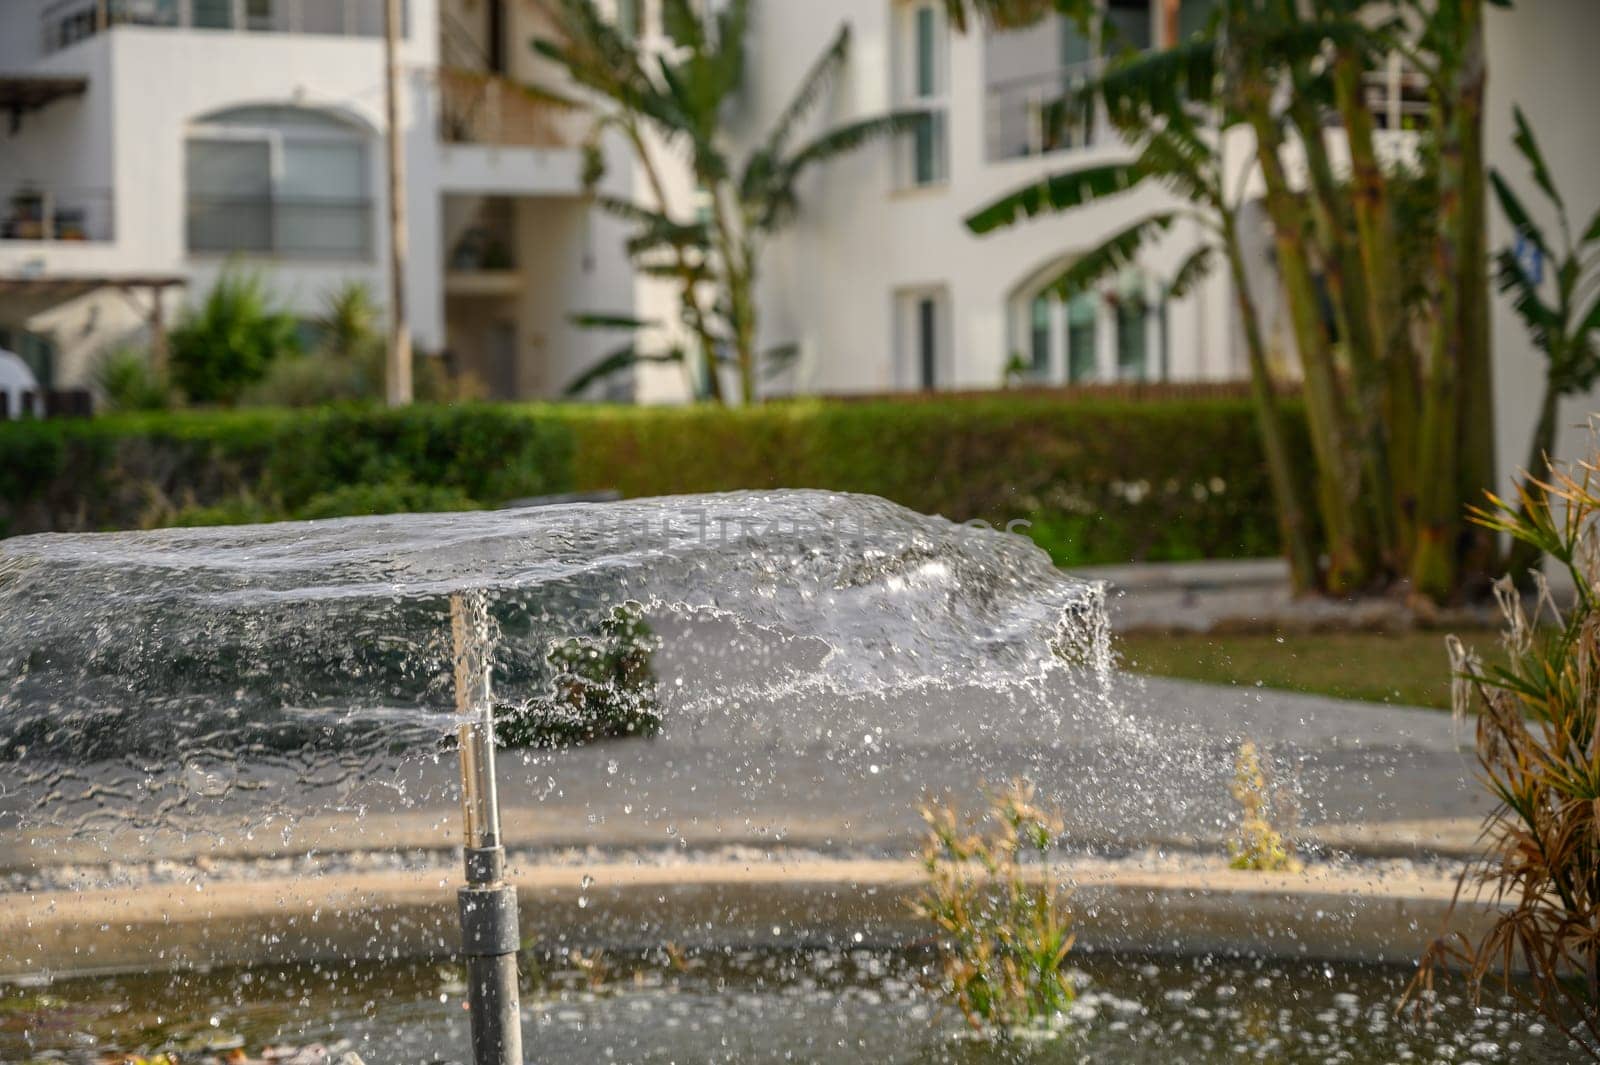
1147	762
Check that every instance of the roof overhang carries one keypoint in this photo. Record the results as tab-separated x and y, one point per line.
63	287
21	94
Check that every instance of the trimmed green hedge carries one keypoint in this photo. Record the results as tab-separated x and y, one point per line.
1099	481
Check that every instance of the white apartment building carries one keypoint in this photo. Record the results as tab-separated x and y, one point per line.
152	142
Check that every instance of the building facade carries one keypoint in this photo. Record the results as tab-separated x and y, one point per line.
151	144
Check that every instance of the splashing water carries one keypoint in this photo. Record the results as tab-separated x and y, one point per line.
211	679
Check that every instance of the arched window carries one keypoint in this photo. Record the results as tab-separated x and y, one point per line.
1063	339
278	180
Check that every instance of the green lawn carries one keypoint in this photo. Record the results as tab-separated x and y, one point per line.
1409	668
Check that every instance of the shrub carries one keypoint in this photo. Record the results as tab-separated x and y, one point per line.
485	453
230	340
1004	929
399	496
603	684
1259	846
1539	752
128	382
1099	482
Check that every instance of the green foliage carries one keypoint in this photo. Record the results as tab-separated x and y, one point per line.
348	362
1538	748
604	687
1004	926
682	99
1260	846
230	340
398	496
140	471
129	383
1099	481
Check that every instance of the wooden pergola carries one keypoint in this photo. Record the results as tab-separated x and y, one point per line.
21	94
47	291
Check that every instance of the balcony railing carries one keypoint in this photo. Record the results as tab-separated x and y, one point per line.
46	212
1041	113
480	108
67	22
308	228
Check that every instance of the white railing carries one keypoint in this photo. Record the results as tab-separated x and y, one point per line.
66	22
30	211
1041	113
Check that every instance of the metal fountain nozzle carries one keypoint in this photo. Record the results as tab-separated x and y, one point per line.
489	933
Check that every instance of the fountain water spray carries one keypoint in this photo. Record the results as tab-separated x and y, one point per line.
489	935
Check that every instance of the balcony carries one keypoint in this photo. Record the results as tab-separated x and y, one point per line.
1041	113
476	107
32	212
66	22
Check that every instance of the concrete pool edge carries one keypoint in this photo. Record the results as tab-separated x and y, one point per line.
1324	914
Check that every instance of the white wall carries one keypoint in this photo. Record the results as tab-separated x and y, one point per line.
128	132
830	281
1541	56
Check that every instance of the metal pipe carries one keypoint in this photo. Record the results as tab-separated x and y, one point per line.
489	933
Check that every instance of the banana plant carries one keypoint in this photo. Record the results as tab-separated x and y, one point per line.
1554	286
671	103
1183	155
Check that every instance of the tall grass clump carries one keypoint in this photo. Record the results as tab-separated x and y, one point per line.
1538	749
1004	926
1260	845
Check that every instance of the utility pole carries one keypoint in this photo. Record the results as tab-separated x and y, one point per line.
397	379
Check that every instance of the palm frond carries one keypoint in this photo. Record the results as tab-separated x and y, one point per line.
777	201
1192	271
1529	148
1115	254
1542	320
1058	192
810	91
776	360
603	320
1512	207
619	361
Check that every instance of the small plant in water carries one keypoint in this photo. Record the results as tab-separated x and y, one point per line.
1260	845
1004	925
1538	746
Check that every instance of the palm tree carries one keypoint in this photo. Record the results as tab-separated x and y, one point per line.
1183	155
1561	311
676	100
1401	431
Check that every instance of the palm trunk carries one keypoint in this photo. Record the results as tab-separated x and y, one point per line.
1347	285
1293	526
690	311
1475	415
1380	259
1339	486
1434	563
738	276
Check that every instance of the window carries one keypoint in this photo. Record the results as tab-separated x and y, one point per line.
1082	338
1127	25
927	54
281	181
1039	336
922	326
927	342
920	83
1133	355
1194	16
